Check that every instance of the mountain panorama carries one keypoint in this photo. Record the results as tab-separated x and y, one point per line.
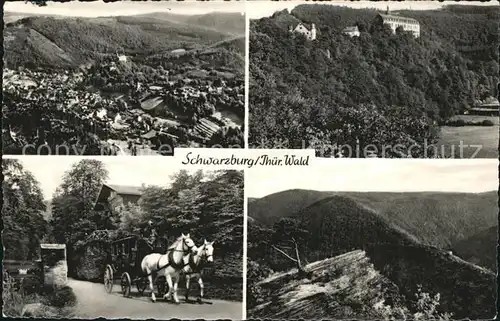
61	41
362	255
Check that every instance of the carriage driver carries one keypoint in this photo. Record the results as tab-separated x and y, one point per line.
150	235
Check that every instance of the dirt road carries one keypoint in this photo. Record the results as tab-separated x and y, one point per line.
94	302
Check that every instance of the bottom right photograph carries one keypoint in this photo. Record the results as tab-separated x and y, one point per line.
373	239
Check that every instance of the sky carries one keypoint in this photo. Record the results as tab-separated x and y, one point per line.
124	8
259	9
132	171
377	175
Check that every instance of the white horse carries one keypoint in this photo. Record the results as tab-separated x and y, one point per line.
170	264
194	263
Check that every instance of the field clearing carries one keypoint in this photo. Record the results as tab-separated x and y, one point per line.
485	136
477	118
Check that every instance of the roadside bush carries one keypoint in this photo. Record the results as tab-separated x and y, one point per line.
487	122
31	284
60	298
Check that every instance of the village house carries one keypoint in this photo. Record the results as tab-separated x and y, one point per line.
113	198
351	31
302	29
396	21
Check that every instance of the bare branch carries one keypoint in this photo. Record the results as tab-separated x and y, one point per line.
288	256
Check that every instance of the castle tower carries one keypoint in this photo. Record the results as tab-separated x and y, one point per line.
387	11
313	32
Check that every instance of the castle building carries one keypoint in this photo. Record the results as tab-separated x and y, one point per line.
351	31
396	21
302	29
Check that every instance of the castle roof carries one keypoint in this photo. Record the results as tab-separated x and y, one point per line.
403	19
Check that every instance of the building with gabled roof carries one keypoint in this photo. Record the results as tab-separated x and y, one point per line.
301	28
351	31
113	198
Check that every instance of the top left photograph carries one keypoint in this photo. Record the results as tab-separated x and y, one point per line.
123	78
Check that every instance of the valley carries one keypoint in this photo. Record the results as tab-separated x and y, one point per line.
129	85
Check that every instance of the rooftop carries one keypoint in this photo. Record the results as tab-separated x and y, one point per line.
388	16
127	190
53	246
351	29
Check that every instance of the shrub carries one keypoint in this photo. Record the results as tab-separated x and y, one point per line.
487	122
425	309
13	300
61	297
31	284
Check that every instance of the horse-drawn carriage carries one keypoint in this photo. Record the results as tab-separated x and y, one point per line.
124	262
135	262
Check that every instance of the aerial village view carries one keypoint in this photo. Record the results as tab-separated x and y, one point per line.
138	84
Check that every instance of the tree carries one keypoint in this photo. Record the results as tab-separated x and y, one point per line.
40	3
290	230
73	216
221	216
23	206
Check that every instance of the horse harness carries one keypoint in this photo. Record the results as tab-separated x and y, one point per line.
195	268
171	261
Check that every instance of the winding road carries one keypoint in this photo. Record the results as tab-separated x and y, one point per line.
94	302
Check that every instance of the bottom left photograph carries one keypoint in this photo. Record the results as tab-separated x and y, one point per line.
137	238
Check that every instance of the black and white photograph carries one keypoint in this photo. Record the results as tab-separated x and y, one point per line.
123	77
373	239
386	79
90	238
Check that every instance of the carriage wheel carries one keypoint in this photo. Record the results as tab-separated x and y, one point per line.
126	284
141	285
108	278
161	285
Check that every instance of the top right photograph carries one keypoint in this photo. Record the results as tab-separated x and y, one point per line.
410	79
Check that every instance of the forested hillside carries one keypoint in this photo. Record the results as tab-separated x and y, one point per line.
380	88
449	217
62	42
481	248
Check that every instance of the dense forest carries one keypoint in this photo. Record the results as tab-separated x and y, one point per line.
208	205
379	89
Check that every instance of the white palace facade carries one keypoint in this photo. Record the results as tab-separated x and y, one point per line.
396	21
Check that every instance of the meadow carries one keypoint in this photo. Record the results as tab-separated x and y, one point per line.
486	136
